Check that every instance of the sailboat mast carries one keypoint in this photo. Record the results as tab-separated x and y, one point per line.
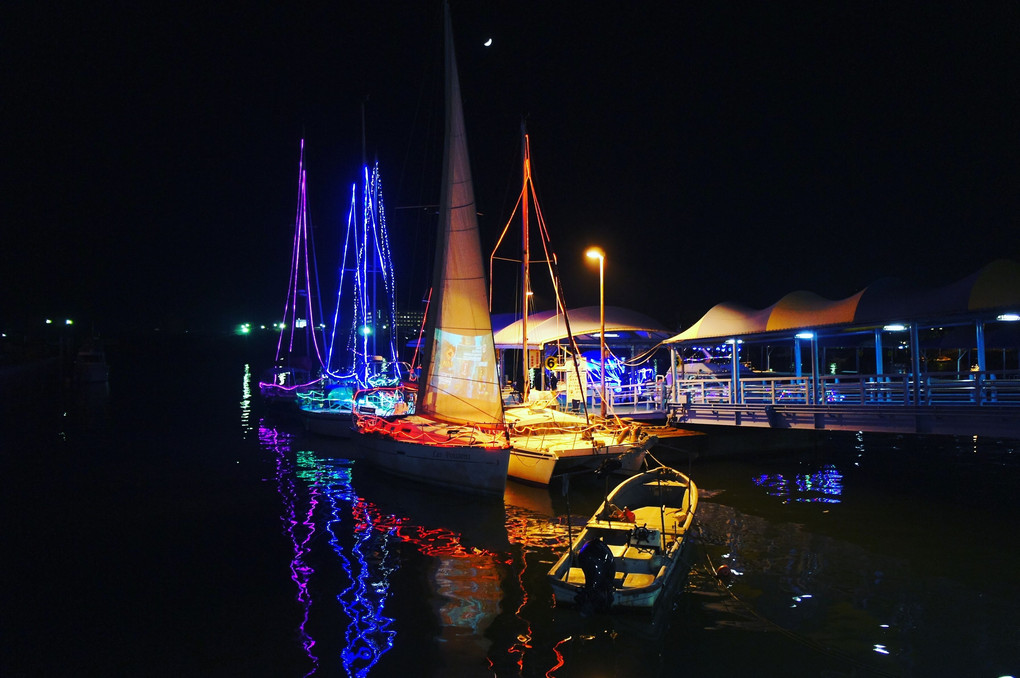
365	212
371	213
525	263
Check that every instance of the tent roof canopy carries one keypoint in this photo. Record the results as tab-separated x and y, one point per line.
993	289
547	327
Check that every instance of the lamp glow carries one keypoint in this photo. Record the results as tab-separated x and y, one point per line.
895	327
1009	317
597	253
805	335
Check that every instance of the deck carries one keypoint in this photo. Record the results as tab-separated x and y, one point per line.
969	403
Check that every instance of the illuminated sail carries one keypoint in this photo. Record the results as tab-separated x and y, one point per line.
460	380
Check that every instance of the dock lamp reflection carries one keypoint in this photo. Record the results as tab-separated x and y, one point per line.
596	253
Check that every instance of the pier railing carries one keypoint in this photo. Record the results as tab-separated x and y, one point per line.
942	388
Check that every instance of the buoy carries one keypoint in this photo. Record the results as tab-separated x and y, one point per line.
723	573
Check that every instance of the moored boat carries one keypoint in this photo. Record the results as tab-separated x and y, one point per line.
299	345
632	553
545	441
449	429
90	365
353	361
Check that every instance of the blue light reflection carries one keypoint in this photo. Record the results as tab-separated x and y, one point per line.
822	486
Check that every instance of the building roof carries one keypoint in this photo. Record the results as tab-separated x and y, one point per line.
993	289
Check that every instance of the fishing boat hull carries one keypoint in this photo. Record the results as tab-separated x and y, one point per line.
646	554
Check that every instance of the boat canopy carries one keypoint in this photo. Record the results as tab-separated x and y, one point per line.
993	289
547	327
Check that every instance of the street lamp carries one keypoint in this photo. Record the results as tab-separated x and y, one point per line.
596	253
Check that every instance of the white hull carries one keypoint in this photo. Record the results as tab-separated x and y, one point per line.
330	423
528	466
472	469
537	466
546	441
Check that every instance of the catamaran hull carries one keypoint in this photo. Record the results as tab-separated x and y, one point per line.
327	423
532	467
475	470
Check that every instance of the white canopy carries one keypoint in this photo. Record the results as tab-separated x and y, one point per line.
547	327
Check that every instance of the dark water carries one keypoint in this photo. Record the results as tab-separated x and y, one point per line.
169	526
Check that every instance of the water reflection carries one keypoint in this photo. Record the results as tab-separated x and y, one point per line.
320	504
829	574
348	545
824	485
246	426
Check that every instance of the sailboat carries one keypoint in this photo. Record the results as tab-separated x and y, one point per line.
543	439
299	346
352	359
449	431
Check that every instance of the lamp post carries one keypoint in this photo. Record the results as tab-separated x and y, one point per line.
596	253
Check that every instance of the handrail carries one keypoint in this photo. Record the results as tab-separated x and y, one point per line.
936	388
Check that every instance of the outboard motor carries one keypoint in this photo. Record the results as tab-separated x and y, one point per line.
596	561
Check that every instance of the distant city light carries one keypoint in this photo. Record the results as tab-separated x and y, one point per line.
49	322
366	330
68	322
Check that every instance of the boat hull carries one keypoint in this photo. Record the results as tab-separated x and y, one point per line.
545	441
537	464
649	549
92	373
467	468
535	467
330	423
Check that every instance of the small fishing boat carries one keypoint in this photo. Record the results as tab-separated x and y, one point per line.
632	552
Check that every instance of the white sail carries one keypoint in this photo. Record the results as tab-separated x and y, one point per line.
460	383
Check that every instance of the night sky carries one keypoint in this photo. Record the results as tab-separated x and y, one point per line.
717	152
